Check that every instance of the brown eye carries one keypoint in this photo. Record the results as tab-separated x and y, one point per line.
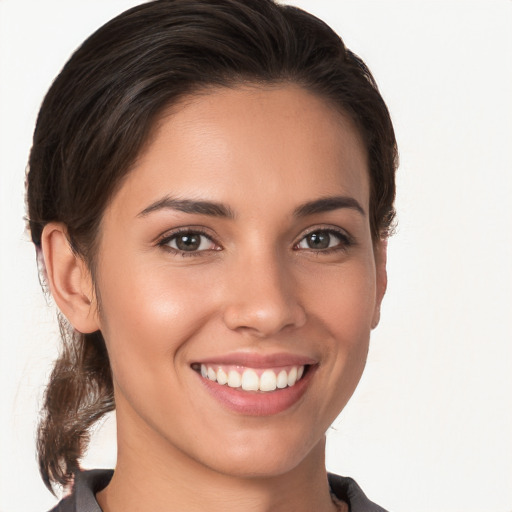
189	241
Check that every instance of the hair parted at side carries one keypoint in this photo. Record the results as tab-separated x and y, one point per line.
99	112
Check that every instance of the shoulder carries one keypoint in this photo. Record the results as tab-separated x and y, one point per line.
64	505
83	494
347	489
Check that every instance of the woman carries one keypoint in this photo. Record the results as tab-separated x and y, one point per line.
210	191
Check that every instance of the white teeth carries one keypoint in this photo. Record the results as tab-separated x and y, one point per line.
234	379
268	381
282	379
292	376
249	380
222	377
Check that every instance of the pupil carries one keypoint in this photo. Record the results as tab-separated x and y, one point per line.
319	240
188	242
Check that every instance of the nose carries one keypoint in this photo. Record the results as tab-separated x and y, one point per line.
262	298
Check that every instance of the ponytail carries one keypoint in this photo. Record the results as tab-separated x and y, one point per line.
79	393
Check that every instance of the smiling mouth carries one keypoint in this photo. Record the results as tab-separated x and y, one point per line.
252	379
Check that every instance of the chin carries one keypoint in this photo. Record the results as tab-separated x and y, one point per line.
267	458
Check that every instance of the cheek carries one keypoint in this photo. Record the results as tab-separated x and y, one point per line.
149	312
344	298
148	318
342	305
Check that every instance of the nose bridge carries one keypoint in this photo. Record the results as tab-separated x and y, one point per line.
262	295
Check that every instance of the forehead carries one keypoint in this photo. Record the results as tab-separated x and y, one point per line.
250	146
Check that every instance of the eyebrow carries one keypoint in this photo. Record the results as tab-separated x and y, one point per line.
210	208
327	204
214	209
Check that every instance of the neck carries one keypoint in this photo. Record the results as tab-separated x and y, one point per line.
154	476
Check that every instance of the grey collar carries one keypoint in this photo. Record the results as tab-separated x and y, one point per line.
88	483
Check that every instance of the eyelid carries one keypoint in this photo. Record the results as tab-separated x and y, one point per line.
347	240
164	239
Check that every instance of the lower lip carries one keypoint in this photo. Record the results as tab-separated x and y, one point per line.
257	403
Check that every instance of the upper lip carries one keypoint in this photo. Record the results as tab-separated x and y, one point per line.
254	360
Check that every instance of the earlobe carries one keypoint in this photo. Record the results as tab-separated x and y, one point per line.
69	279
381	277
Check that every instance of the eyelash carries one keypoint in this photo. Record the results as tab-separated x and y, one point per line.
169	237
345	241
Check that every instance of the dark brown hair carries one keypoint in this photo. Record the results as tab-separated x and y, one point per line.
97	116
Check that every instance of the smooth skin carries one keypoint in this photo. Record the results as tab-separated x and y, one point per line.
259	274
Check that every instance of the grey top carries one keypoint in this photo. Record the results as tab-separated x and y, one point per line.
88	483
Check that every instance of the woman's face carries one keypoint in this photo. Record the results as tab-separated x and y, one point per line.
238	281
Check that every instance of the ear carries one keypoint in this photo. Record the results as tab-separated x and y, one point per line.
69	279
381	276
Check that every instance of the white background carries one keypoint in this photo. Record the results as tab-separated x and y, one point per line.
430	427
